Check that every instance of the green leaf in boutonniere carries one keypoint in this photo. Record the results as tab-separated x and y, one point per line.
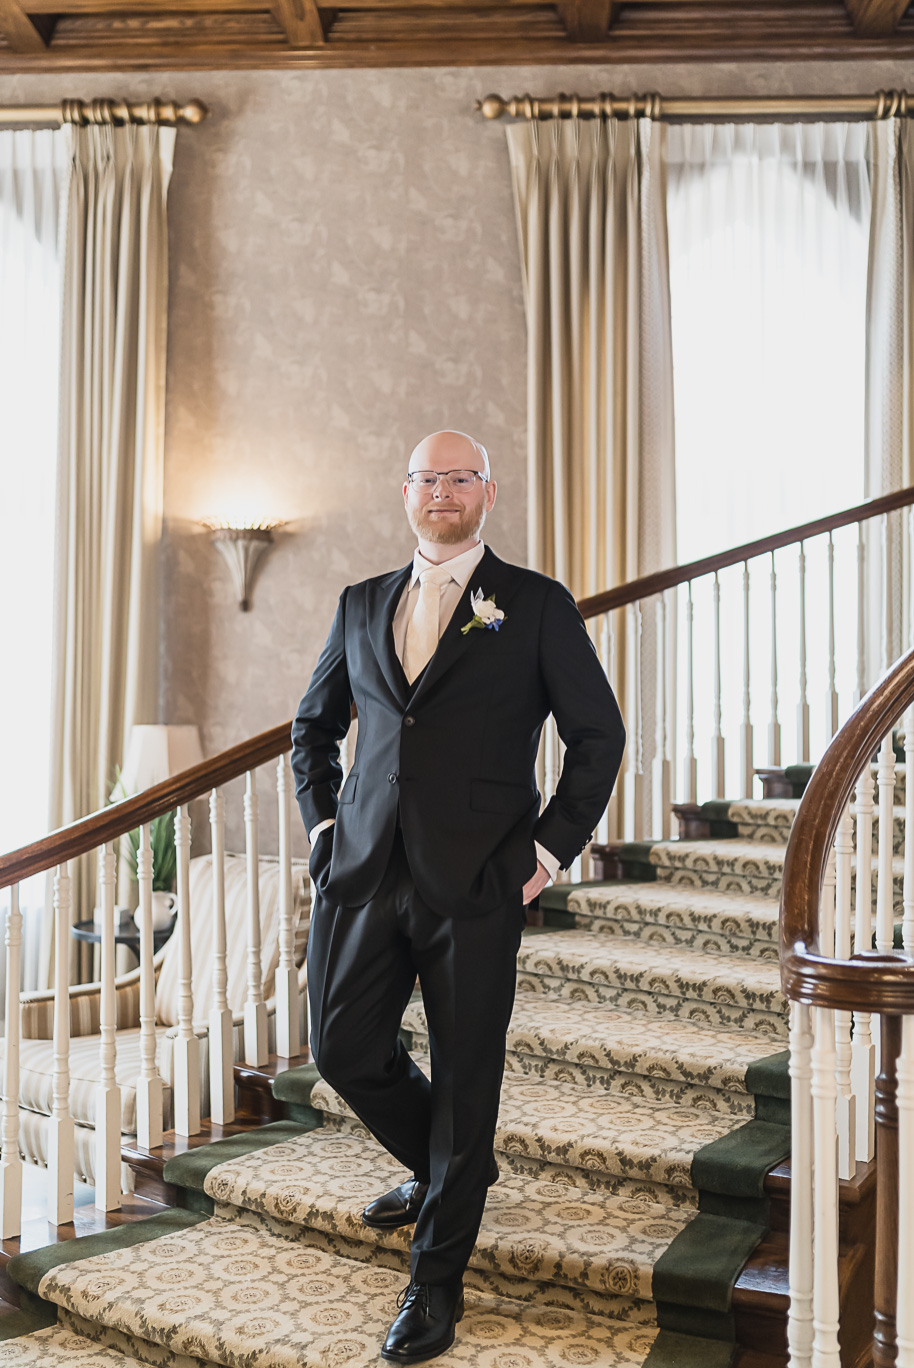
485	614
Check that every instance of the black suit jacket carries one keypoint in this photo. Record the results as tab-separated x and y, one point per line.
457	751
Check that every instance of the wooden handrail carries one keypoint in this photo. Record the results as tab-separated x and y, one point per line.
659	580
870	982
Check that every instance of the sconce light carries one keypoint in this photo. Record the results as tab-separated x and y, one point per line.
242	545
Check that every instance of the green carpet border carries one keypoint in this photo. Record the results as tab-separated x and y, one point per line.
770	1076
28	1269
700	1267
735	1164
671	1350
295	1084
189	1170
33	1314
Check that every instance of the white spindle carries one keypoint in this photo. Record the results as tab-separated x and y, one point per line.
690	770
60	1125
718	776
634	774
107	1092
221	1036
827	908
746	757
288	1015
846	1114
825	1352
10	1162
863	1062
860	690
550	758
255	1010
799	1316
149	1084
774	726
661	792
907	925
831	705
904	1322
803	705
186	1044
885	894
604	651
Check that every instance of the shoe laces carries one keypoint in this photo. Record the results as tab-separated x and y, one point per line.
414	1291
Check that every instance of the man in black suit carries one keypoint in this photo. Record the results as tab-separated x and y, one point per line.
424	859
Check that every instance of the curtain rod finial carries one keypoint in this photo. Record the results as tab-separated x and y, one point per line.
194	112
492	107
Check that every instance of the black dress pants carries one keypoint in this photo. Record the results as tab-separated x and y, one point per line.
362	968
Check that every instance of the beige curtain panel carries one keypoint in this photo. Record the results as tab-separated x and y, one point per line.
590	198
110	487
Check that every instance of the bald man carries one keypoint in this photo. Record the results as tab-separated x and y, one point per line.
424	859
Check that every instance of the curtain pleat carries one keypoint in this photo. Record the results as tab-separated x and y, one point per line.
110	483
589	196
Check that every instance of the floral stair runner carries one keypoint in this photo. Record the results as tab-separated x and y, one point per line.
645	1097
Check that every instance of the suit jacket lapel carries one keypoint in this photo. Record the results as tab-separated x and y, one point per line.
493	576
381	607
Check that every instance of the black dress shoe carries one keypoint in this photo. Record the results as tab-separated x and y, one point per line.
425	1325
398	1207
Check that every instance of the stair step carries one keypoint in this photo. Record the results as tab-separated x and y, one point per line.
58	1346
622	1051
597	1140
676	914
230	1294
716	990
539	1231
770	821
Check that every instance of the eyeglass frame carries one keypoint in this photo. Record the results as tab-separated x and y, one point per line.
443	475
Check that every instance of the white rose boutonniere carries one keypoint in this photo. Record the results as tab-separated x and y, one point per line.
485	614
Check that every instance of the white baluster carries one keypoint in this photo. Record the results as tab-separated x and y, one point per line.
904	1323
107	1092
149	1084
634	774
799	1316
827	908
186	1044
907	925
831	704
690	770
255	1010
604	648
863	1063
825	1306
860	689
774	726
221	1036
60	1125
803	705
718	774
885	892
661	787
746	756
846	1114
344	755
288	1015
550	758
10	1162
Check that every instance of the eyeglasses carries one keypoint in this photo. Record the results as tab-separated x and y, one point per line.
462	480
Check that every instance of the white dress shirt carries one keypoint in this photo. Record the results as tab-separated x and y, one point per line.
461	568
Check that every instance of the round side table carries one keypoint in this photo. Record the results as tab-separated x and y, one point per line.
126	932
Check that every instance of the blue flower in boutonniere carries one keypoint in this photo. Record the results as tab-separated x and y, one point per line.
485	613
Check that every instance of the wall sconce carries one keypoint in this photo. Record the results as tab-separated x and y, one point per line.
242	545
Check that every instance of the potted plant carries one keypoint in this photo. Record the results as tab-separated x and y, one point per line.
164	858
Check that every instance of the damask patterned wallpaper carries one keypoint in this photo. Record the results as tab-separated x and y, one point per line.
344	278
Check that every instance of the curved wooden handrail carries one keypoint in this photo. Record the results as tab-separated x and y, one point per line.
870	982
659	580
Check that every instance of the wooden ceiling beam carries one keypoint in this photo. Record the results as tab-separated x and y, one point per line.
587	21
20	32
301	21
875	18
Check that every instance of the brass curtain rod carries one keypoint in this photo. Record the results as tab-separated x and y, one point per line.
85	112
883	105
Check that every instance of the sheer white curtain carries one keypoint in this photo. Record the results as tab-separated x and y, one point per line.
768	229
33	168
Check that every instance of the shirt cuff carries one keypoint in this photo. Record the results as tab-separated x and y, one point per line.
547	860
316	831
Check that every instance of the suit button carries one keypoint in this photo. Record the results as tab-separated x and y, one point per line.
409	721
391	778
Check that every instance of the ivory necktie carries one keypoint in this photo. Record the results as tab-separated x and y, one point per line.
422	631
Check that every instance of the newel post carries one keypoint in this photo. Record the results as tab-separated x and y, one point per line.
885	1347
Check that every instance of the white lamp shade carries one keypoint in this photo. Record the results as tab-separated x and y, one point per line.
156	753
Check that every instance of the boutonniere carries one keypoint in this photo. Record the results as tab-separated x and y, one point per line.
485	614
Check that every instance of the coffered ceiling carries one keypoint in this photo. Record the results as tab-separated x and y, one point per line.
120	35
